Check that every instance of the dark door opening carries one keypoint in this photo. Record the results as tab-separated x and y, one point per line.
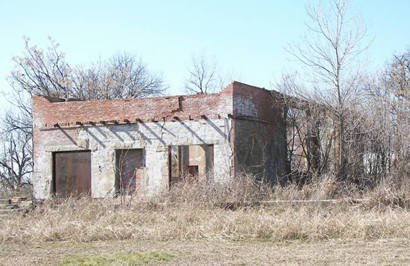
72	174
129	165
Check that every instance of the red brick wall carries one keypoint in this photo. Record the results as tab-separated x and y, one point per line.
47	113
249	99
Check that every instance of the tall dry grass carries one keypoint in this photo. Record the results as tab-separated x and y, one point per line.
193	210
26	191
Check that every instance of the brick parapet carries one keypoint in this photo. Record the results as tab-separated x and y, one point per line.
48	113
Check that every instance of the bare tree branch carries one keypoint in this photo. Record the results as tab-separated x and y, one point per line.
203	77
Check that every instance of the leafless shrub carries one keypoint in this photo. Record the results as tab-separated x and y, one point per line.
387	194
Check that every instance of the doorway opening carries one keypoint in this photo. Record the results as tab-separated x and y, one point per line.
193	161
129	166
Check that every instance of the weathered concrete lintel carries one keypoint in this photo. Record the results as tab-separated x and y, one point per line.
128	145
57	148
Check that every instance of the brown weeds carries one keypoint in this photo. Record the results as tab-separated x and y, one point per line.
232	211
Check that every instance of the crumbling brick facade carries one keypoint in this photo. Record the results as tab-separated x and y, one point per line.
239	129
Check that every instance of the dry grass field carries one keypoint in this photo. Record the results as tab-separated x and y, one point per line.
209	252
241	223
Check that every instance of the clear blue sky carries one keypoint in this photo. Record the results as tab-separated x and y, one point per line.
245	37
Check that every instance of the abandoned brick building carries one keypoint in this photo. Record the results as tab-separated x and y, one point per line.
144	145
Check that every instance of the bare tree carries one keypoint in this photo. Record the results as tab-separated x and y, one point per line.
16	164
40	72
389	106
397	76
310	130
377	130
122	76
21	118
203	77
330	51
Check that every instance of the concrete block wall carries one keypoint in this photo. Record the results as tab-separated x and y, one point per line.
153	138
104	126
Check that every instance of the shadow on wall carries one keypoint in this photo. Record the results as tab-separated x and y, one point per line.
129	128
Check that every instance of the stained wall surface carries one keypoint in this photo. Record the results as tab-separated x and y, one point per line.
260	133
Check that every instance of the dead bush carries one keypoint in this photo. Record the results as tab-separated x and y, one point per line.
387	194
243	190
